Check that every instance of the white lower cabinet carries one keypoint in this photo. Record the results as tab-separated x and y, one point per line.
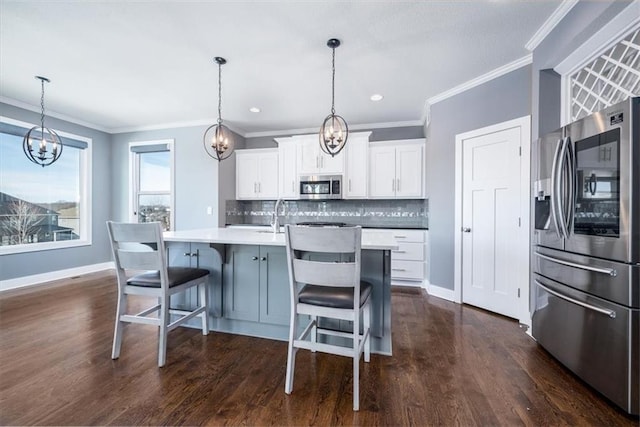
409	261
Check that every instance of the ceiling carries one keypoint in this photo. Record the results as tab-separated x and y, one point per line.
122	65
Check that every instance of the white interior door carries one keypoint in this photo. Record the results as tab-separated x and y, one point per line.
490	221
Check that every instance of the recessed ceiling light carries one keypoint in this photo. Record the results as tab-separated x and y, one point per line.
254	109
376	97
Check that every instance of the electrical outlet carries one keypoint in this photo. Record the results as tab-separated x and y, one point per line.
209	210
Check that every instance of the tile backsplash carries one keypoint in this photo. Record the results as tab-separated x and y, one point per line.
368	213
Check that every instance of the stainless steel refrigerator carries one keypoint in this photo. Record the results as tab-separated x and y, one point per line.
585	255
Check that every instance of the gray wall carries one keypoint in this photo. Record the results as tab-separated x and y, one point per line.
378	134
200	181
504	98
29	263
583	21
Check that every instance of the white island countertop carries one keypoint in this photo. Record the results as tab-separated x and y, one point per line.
265	237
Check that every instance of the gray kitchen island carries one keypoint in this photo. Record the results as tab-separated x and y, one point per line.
249	282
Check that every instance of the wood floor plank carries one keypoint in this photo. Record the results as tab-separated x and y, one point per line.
452	365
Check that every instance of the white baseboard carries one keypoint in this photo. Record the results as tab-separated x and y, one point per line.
38	279
440	292
408	283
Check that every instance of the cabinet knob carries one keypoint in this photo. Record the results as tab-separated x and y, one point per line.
255	258
466	230
187	254
264	258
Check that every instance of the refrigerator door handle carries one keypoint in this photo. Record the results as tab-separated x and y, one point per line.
609	271
593	184
571	179
562	171
555	200
610	313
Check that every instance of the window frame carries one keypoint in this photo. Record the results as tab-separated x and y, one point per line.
85	203
134	182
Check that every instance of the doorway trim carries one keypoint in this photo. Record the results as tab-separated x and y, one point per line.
524	123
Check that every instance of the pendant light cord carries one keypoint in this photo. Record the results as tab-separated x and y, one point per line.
42	108
219	94
333	80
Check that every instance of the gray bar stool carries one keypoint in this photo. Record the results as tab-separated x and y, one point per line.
327	289
141	247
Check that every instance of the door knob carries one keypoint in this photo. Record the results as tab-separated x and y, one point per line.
466	230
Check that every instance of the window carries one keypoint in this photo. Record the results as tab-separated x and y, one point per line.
608	79
43	208
152	182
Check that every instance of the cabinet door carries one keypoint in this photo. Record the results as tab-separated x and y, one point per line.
241	279
288	171
246	175
409	173
268	176
308	160
179	255
275	298
382	172
209	259
357	169
331	165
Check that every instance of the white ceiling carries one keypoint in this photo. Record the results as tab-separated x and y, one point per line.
124	65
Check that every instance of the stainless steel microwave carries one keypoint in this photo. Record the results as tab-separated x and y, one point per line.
319	187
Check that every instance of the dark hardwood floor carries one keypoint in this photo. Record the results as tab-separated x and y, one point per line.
452	365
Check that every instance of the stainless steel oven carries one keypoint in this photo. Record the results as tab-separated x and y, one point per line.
318	187
585	257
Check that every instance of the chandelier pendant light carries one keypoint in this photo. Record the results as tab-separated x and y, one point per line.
334	131
42	145
218	141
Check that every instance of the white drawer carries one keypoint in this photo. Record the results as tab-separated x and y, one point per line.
408	251
408	235
407	270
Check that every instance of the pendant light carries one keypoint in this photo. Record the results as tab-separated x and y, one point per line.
334	131
218	141
42	145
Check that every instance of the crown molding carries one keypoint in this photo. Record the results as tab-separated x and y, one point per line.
551	22
366	126
507	68
622	24
175	125
200	122
37	109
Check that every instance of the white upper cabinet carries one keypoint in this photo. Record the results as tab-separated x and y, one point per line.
257	174
396	169
356	178
288	168
313	161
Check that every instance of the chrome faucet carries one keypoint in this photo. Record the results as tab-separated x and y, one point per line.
275	221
